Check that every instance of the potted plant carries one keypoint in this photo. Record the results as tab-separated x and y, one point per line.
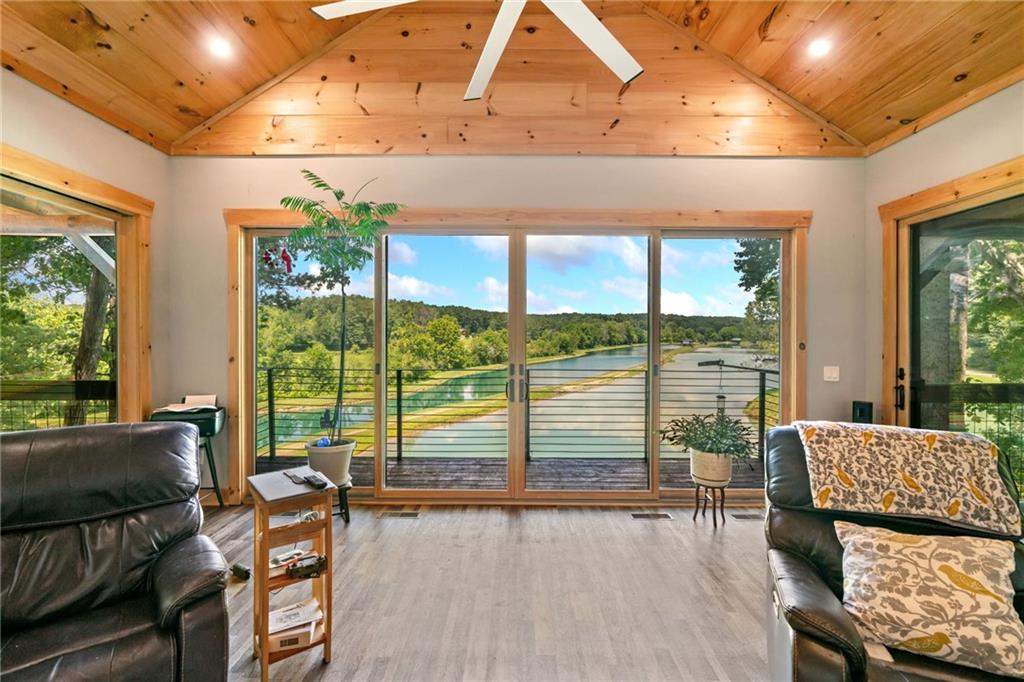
340	236
713	440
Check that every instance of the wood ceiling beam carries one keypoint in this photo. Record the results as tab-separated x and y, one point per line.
782	95
302	63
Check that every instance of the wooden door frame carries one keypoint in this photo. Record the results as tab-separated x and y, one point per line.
790	226
134	367
968	191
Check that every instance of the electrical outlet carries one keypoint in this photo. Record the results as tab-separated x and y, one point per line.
831	373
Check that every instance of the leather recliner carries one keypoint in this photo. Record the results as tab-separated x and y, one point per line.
103	572
810	635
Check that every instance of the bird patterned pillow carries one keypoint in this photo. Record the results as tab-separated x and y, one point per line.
946	597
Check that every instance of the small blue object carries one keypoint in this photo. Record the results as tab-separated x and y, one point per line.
323	442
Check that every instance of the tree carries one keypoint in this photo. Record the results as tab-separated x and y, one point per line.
758	263
996	307
341	239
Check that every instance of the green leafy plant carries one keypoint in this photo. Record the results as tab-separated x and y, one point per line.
340	237
715	433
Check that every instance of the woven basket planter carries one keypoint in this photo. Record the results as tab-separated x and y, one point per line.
710	468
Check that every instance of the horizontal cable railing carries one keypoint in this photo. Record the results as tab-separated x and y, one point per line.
42	404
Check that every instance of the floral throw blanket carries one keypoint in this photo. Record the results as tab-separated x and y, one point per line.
939	475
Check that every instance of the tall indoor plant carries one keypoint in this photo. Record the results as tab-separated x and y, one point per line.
340	236
713	440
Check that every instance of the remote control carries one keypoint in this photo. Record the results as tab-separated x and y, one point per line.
316	481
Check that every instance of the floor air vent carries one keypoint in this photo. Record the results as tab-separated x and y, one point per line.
651	515
748	517
400	515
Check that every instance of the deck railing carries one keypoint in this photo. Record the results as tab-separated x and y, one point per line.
30	404
594	412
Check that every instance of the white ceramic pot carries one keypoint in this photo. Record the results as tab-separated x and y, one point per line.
710	468
332	461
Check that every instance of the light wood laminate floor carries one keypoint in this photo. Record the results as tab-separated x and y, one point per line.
493	593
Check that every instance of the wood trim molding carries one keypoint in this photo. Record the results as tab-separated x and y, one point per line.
895	240
560	218
134	366
791	226
965	100
37	171
776	92
297	66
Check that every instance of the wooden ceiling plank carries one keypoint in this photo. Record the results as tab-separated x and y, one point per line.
753	77
575	65
175	45
954	44
78	30
716	135
789	22
304	29
875	44
86	103
726	25
988	63
1010	78
962	35
308	59
256	29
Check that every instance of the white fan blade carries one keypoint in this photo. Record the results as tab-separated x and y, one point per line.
504	23
344	8
588	28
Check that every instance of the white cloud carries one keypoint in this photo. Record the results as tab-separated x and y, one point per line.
495	293
491	244
538	304
726	301
671	259
409	287
715	259
633	256
574	294
560	252
401	253
630	287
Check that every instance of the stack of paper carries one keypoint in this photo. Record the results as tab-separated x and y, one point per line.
193	403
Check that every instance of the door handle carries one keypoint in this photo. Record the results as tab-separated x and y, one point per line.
510	390
901	397
523	388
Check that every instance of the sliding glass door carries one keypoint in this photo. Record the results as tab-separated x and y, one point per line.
446	363
586	414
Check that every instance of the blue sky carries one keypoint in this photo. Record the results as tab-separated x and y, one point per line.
564	273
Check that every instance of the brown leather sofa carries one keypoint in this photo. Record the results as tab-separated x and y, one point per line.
810	635
103	572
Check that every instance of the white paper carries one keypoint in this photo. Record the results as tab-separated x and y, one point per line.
193	403
295	615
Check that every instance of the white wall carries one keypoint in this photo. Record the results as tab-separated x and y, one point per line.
987	133
189	238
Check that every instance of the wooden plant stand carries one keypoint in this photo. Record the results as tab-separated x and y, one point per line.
267	537
712	494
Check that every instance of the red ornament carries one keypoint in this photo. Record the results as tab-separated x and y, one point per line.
286	258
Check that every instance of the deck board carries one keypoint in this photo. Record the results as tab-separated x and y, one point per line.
563	473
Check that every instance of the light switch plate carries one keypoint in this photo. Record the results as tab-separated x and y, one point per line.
831	373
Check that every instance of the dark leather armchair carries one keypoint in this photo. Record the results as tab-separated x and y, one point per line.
810	635
104	573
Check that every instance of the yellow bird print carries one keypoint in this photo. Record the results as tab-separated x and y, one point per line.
887	500
995	451
929	644
967	583
978	495
844	477
905	539
909	481
809	432
866	437
953	508
823	495
930	440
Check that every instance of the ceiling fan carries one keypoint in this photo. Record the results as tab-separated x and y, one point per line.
576	16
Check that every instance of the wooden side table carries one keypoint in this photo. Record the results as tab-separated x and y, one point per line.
712	494
266	504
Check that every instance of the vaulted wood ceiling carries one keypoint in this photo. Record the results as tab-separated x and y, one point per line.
721	78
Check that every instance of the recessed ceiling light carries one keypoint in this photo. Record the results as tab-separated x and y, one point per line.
819	47
219	47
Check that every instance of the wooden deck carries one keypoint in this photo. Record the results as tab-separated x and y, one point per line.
489	473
